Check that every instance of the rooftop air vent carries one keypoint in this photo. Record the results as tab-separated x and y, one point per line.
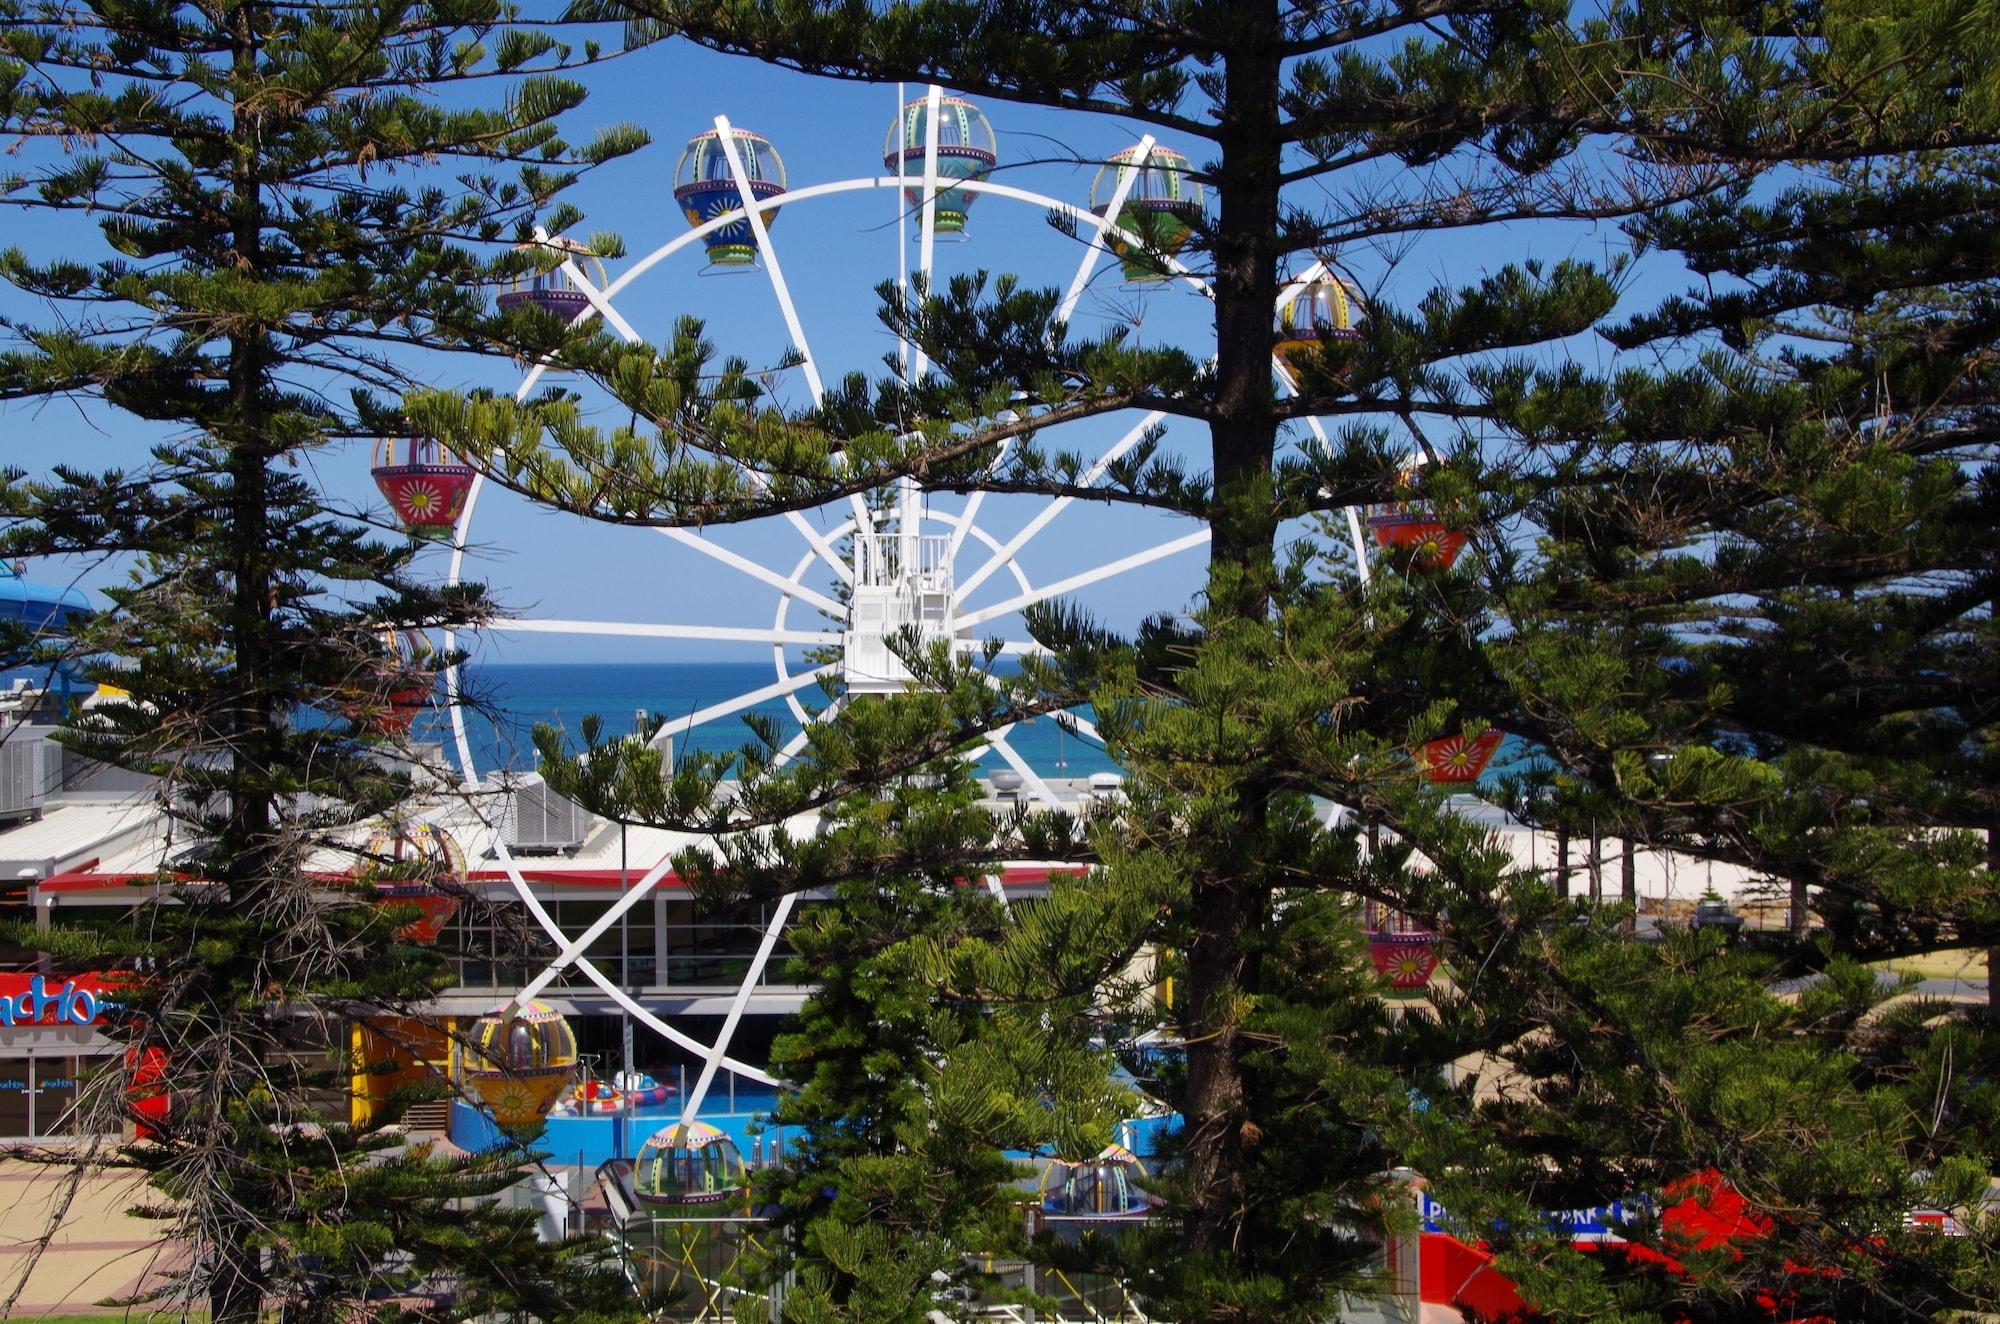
538	821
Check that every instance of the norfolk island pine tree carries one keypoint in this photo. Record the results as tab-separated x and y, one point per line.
1291	679
262	218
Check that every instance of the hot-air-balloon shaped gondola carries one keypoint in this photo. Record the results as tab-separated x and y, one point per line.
520	1061
549	287
1161	208
1401	949
1412	526
416	865
1321	311
965	150
408	672
692	1167
1103	1189
1459	759
425	483
705	187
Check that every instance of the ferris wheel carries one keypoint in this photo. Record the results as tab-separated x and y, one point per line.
845	580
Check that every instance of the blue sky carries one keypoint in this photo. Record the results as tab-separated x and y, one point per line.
833	254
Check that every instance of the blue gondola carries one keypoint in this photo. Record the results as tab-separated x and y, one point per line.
705	188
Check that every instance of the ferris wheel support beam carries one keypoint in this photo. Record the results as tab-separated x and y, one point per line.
600	303
1290	294
761	234
627	898
1084	579
691	1106
638	1011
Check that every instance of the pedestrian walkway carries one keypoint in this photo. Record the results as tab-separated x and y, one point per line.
96	1251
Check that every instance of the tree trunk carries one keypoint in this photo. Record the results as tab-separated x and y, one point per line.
248	850
1229	900
1628	883
1562	861
1800	918
1594	864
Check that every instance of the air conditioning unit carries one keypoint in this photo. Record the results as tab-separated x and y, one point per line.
25	766
538	821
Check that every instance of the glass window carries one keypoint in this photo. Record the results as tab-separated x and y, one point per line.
55	1096
16	1079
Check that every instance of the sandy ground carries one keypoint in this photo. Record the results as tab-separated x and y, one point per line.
96	1252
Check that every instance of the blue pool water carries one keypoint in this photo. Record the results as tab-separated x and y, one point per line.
589	1141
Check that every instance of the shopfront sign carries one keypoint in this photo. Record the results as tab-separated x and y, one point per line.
36	1000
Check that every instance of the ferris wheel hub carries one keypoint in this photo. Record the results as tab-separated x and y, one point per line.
902	584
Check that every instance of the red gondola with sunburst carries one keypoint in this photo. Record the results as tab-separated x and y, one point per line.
1412	526
425	483
1460	759
1402	950
418	865
410	670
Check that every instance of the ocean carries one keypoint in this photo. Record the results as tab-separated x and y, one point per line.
511	698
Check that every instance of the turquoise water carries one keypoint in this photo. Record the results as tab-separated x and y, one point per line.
510	698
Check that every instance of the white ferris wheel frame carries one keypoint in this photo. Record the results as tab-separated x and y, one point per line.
962	524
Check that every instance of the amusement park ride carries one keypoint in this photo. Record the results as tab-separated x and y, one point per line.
871	566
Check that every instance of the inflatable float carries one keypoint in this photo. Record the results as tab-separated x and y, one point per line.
601	1098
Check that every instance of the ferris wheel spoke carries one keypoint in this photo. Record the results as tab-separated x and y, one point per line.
927	225
660	630
969	516
1056	507
1084	579
790	587
748	699
761	234
790	749
1097	248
